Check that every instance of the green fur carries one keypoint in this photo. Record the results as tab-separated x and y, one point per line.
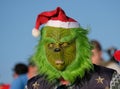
80	64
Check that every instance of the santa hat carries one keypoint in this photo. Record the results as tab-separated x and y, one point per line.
54	18
117	55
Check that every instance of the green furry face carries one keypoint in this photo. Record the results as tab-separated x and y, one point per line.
60	52
73	55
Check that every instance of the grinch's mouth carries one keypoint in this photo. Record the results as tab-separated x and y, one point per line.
59	62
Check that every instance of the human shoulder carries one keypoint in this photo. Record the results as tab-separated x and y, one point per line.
114	66
16	84
102	69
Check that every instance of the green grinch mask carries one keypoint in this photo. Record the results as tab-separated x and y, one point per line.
60	51
63	53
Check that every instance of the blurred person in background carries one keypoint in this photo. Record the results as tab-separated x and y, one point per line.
20	77
96	53
22	73
112	63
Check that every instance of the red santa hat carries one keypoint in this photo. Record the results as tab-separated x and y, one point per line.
54	18
117	55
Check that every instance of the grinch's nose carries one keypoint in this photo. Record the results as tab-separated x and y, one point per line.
57	49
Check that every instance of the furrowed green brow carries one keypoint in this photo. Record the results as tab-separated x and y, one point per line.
49	40
69	38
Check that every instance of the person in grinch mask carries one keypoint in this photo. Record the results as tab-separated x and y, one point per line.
63	56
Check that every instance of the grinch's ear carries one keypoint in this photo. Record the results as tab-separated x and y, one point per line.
117	55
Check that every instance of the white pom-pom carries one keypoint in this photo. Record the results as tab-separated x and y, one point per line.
35	32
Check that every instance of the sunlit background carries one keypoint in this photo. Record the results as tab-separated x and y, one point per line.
17	19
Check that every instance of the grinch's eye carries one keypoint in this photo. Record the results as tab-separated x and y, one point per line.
64	44
51	45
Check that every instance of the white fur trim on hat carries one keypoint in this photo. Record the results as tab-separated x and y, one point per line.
58	23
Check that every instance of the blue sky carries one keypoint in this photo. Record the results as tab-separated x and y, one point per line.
17	19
